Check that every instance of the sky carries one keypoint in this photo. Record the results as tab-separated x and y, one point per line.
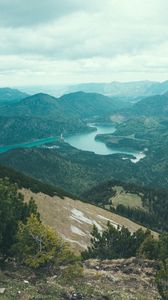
52	42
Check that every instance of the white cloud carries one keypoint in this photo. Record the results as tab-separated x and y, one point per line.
43	42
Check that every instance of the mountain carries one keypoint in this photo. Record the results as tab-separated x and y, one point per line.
52	167
35	117
93	279
8	95
38	105
16	130
89	105
74	219
135	89
41	115
32	184
76	105
81	173
156	106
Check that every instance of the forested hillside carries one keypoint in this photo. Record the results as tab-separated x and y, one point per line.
42	116
11	96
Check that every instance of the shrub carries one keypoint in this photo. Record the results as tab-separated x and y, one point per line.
39	245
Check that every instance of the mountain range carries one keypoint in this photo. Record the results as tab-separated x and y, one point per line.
41	115
152	106
134	89
8	95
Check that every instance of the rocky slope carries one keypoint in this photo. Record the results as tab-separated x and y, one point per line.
130	279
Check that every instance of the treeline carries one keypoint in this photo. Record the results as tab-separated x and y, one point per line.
34	185
155	217
155	202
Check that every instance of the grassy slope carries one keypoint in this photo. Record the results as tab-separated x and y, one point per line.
126	198
74	219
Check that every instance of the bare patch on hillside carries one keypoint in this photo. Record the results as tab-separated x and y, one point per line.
127	199
74	219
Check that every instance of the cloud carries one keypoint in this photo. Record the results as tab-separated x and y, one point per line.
22	13
75	40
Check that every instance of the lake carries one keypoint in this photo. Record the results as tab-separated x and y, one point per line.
29	144
87	142
82	141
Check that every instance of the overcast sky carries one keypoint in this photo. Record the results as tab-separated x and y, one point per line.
72	41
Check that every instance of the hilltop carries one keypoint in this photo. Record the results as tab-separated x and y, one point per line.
10	96
156	106
41	115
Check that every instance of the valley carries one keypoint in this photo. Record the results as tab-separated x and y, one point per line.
85	161
83	150
83	141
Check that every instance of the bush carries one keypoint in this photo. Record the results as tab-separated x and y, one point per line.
12	210
114	243
149	248
39	245
72	272
162	279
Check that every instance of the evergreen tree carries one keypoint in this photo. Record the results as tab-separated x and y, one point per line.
162	279
149	248
114	243
12	210
39	245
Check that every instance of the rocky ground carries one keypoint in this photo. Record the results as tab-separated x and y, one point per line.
131	279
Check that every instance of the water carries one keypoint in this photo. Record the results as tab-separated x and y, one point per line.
84	141
28	145
87	142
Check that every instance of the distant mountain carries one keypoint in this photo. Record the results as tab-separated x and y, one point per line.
89	105
38	105
152	106
76	105
8	95
133	89
42	115
15	130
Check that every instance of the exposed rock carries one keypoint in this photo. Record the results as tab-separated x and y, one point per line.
76	296
26	281
123	278
2	290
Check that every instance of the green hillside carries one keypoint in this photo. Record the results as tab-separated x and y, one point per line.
27	182
153	106
10	96
41	116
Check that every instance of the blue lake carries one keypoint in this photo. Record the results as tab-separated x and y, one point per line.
28	145
84	141
87	142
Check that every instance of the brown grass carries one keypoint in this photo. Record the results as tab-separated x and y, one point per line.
57	213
